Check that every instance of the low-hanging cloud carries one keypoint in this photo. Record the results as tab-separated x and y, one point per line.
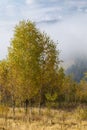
65	21
71	34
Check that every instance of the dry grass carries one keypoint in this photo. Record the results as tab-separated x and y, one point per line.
53	120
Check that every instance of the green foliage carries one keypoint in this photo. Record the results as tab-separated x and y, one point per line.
33	64
32	74
82	91
51	97
51	100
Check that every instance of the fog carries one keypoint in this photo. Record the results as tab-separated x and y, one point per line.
71	34
6	32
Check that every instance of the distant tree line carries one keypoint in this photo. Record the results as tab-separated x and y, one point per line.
78	68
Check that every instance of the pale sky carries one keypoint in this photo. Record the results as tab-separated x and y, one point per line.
64	20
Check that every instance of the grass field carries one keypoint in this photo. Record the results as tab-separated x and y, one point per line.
47	120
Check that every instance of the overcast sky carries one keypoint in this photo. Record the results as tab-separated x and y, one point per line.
64	20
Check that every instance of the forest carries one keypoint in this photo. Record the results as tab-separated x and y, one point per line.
31	76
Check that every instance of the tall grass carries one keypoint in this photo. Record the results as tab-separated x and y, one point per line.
53	120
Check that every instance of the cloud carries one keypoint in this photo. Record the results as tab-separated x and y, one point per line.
4	41
71	33
49	21
59	18
30	1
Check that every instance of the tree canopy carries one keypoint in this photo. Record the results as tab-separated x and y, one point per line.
31	74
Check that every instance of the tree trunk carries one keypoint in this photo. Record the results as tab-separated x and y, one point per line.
30	111
39	106
26	107
13	105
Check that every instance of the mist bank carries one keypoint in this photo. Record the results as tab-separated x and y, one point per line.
78	69
71	34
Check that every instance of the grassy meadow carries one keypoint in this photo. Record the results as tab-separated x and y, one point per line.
47	119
